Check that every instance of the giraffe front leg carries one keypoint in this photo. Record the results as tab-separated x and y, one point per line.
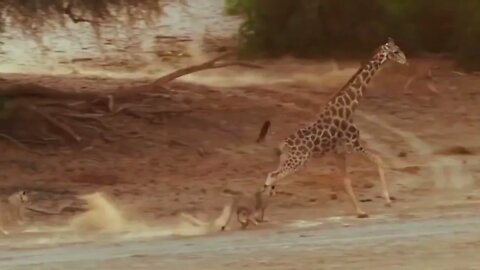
342	165
290	162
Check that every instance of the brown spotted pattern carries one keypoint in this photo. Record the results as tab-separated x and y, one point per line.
334	130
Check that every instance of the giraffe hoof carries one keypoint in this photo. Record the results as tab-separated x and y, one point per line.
362	215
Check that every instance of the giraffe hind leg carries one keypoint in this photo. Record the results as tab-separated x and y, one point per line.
381	172
341	163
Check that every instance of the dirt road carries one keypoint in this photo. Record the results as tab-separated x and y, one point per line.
447	242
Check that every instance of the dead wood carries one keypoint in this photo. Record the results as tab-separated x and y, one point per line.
109	97
75	18
14	90
52	120
211	64
75	114
17	143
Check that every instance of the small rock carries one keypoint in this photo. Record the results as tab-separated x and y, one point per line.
368	185
333	196
471	197
285	193
231	191
456	150
402	154
96	178
392	198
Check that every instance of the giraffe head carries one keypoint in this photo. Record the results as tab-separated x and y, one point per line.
393	52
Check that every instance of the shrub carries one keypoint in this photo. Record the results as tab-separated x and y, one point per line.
312	28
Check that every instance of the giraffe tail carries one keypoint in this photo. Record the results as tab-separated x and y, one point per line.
263	131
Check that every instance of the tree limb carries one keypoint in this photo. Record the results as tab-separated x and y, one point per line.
17	143
211	64
65	128
75	19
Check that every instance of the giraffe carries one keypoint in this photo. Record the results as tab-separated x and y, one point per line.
334	130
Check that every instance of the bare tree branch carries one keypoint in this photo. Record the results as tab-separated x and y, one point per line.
17	143
76	19
211	64
65	128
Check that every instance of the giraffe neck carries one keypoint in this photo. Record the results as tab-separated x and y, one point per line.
350	94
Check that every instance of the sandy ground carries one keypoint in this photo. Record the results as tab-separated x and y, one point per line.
192	162
425	240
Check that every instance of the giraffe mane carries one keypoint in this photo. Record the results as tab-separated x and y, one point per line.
363	64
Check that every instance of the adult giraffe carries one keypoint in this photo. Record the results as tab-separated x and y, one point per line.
334	129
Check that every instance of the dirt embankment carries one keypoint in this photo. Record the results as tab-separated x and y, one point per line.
191	161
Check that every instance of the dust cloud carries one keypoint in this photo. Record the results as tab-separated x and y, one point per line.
104	220
104	216
442	172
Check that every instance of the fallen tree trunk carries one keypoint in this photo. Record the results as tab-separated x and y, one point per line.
71	116
32	89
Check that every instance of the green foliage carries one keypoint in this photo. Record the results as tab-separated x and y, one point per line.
310	28
467	37
34	16
234	7
3	99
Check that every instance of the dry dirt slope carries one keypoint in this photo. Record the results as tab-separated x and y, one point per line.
188	161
